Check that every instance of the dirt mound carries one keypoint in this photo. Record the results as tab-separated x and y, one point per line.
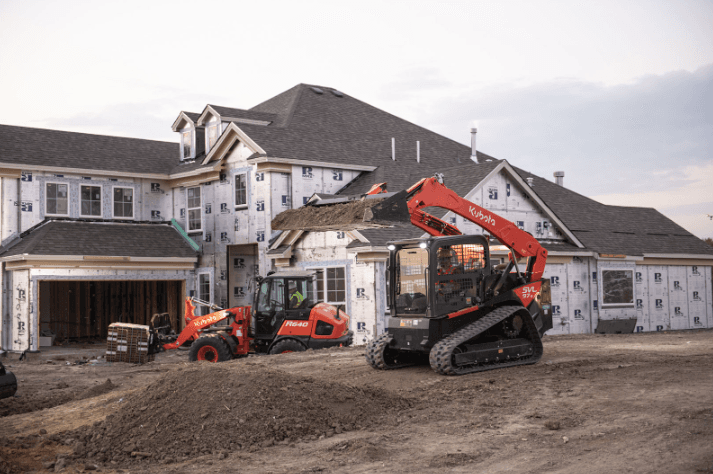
56	395
342	217
212	408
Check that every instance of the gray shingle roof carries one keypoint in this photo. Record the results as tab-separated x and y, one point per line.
41	147
65	237
324	127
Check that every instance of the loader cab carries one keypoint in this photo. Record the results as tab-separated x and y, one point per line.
437	276
282	296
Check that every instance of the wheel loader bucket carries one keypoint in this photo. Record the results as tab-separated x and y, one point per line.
8	383
344	213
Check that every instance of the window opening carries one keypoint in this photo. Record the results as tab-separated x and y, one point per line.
56	199
204	291
124	202
193	197
617	288
241	189
91	202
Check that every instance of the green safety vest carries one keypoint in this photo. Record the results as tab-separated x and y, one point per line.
299	296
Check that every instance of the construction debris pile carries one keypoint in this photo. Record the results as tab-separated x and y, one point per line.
342	217
220	408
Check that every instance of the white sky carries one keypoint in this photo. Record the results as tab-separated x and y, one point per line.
619	95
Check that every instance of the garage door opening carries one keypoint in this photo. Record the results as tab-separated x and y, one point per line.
83	310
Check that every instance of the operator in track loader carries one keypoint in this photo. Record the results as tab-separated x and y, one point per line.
467	317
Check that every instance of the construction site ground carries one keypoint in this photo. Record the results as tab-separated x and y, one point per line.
595	403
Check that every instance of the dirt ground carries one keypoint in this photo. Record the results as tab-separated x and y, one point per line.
595	403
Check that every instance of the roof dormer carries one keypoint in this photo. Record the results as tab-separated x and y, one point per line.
191	135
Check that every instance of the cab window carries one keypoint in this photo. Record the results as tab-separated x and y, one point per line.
299	293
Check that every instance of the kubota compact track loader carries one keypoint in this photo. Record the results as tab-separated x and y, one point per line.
446	298
286	316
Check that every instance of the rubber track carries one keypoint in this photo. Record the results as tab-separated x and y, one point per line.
375	354
441	356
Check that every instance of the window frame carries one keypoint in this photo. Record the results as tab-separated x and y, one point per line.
46	195
189	209
192	145
101	200
133	201
208	126
204	310
325	289
600	274
244	174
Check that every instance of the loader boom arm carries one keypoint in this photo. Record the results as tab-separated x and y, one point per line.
430	192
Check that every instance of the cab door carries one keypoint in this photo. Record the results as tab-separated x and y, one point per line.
270	308
299	299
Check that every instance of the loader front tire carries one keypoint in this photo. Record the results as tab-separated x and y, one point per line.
210	348
287	345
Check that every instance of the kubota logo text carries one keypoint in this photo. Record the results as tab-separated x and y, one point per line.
297	324
488	219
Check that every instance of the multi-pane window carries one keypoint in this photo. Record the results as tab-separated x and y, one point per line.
187	144
56	199
204	290
193	198
241	189
331	285
91	201
123	202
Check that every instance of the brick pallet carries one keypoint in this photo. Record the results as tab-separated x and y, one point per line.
128	343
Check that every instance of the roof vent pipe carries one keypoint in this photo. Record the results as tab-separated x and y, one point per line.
418	151
531	182
393	149
473	155
559	178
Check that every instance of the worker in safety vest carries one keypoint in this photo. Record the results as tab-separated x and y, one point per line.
296	298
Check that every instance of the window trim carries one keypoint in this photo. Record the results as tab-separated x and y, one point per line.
600	274
244	174
189	209
326	292
56	214
101	200
133	207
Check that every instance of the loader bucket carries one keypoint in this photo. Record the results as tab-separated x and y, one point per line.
8	383
346	213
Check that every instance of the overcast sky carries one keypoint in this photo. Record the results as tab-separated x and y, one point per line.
619	95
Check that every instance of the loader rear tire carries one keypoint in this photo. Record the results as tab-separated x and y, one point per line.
287	345
210	348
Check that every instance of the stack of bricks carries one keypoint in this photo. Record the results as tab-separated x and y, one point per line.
128	343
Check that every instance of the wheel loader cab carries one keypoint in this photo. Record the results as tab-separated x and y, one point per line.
282	297
438	276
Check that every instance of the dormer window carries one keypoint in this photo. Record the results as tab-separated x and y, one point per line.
212	133
187	144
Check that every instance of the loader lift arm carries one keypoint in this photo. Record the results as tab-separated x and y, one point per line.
431	192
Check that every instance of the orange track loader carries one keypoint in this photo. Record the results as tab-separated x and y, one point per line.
447	300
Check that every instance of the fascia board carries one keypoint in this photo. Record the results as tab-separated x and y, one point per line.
113	174
184	117
242	136
322	164
569	253
356	235
679	255
84	171
97	258
542	204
